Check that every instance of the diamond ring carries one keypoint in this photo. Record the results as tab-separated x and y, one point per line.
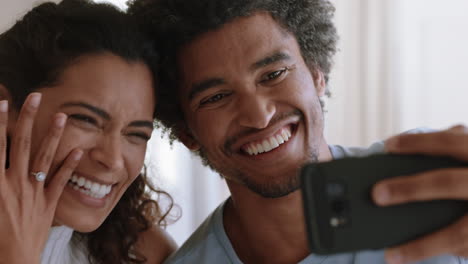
40	176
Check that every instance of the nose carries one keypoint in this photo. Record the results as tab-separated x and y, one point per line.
108	153
255	111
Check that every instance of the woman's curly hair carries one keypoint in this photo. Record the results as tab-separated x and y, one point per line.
178	22
34	53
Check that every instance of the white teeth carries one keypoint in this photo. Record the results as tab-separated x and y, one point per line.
95	187
270	143
254	150
284	134
273	142
260	149
280	139
81	181
88	187
266	145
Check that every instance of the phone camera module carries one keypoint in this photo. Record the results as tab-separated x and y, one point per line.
335	189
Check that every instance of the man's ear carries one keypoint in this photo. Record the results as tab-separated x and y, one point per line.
186	137
319	82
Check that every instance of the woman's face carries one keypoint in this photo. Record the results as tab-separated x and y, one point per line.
109	103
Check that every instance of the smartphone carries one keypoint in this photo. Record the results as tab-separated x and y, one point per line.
341	216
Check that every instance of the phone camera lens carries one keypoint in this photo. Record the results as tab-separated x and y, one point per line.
338	206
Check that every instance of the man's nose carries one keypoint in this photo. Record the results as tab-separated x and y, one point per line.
255	111
108	153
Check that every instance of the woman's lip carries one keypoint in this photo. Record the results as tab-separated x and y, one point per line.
86	199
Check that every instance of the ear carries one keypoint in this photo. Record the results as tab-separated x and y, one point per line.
319	82
186	137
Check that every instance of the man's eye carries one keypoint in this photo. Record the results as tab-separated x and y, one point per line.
274	75
213	99
83	118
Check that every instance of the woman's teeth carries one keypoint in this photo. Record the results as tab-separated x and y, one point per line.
88	187
270	143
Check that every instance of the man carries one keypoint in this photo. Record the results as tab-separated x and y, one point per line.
241	83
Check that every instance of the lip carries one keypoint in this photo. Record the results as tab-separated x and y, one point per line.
88	200
266	133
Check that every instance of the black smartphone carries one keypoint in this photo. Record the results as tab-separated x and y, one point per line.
341	216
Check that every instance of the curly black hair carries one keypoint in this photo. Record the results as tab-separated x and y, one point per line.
36	50
175	23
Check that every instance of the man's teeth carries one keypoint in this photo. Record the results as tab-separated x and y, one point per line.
88	187
270	143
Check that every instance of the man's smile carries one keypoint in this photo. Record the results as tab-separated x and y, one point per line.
268	144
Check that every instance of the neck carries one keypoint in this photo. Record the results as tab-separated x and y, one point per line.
267	230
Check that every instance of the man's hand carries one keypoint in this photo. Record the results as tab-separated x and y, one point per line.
432	185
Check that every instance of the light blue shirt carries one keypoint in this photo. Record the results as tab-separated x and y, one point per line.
209	244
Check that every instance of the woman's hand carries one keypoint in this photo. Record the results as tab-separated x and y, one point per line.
439	184
27	205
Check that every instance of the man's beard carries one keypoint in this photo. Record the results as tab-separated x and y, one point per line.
272	189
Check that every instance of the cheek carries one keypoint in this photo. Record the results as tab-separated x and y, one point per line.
134	163
209	127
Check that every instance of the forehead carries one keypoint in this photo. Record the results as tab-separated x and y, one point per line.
107	81
236	44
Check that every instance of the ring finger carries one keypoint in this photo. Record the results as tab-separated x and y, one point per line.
46	152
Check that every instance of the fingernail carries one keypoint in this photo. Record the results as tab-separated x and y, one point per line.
77	155
4	106
392	143
60	121
394	257
382	195
35	99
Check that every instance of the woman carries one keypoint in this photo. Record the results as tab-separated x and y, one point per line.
76	112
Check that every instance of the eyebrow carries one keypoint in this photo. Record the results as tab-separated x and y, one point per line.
103	114
275	57
204	85
209	83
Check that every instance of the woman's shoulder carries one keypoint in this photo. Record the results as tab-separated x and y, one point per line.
156	244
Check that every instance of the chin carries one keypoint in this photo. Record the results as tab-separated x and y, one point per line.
80	224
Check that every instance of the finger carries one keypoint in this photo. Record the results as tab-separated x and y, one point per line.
436	184
61	177
3	136
452	142
46	152
449	240
21	139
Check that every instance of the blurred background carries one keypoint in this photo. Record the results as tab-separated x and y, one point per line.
401	64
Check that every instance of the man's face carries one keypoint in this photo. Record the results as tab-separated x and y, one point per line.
251	104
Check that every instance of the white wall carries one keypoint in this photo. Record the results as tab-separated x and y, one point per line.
11	10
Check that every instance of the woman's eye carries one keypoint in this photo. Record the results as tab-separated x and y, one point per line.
83	118
213	99
141	137
274	75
